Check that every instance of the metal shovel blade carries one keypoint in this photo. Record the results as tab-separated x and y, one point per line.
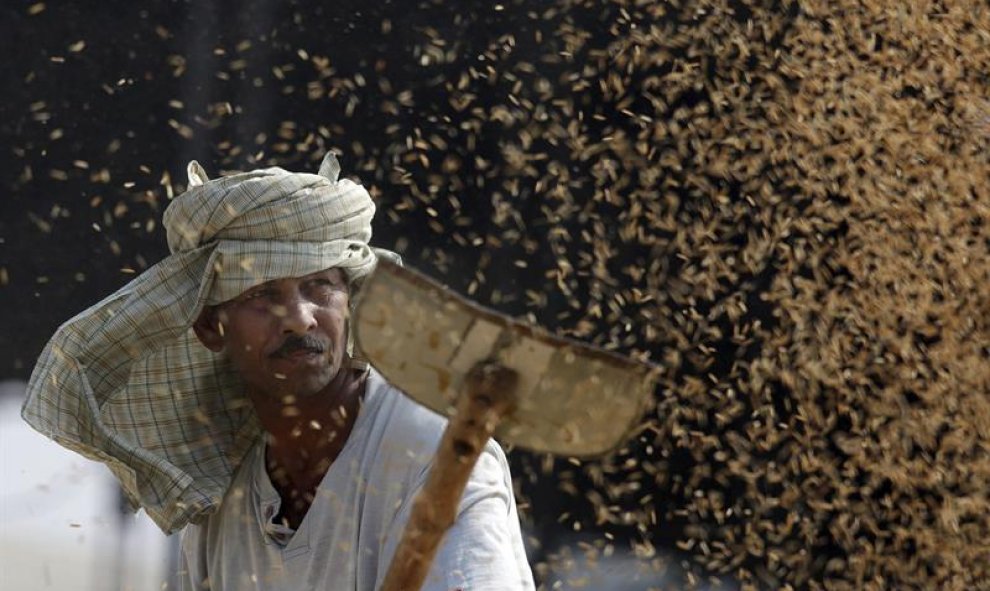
572	399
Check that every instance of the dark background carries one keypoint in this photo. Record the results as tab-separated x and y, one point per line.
105	105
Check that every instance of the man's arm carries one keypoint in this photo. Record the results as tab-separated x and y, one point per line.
483	551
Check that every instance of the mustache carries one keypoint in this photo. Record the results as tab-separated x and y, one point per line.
295	343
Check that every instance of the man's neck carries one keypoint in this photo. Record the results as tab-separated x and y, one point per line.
293	420
305	440
305	429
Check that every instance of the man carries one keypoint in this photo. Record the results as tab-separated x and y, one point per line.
222	389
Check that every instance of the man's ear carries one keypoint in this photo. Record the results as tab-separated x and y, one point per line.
209	328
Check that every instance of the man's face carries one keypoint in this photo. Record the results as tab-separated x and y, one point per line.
288	336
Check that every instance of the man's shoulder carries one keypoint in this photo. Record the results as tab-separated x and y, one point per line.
414	431
402	423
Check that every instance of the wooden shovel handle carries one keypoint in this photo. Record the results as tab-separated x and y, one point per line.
488	394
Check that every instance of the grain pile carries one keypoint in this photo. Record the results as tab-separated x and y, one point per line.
786	204
816	282
790	212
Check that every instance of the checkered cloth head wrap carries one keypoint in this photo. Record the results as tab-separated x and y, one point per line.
127	383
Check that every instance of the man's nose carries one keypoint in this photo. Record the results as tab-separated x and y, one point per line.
297	314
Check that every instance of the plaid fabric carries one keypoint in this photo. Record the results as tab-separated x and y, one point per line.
127	383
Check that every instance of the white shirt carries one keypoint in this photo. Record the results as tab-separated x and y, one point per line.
348	536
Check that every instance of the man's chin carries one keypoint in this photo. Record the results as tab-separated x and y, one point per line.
304	381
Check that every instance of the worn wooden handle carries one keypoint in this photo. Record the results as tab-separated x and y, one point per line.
487	396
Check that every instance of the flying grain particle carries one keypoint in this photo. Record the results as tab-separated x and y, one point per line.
182	129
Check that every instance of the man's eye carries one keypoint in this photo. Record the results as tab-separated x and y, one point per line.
257	295
323	288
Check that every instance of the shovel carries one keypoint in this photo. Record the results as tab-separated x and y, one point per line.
501	377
